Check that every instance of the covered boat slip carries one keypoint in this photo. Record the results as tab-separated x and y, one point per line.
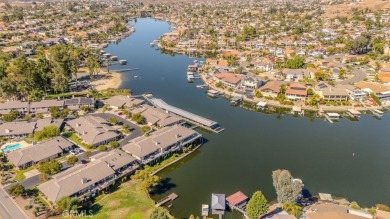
190	117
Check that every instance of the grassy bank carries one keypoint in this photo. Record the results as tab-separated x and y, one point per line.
128	201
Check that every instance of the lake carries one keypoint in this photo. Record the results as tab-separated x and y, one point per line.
242	157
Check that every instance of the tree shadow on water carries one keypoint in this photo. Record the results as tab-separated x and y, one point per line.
164	186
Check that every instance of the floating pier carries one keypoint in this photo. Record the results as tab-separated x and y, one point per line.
124	70
169	198
189	117
377	113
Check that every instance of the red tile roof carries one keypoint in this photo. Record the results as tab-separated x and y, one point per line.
236	198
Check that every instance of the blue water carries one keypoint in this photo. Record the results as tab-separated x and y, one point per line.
11	147
254	144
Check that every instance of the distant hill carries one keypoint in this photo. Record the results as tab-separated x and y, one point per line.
346	8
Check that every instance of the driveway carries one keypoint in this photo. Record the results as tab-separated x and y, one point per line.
135	130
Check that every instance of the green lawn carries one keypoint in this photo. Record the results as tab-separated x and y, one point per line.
20	173
129	202
73	137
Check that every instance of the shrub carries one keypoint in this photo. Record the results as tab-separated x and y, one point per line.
16	190
72	160
145	129
102	148
382	207
355	205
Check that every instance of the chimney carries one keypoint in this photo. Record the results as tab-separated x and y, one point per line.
84	132
84	180
178	135
77	125
7	131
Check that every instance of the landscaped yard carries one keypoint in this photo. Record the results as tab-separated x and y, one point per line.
129	201
20	173
73	137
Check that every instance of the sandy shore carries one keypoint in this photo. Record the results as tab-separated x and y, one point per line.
107	80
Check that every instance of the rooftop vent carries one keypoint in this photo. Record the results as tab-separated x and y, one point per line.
84	180
7	131
178	135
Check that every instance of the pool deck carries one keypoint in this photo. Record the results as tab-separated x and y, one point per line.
21	143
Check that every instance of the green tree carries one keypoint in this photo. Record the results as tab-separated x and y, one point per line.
50	167
102	148
145	128
257	205
72	160
293	209
11	116
67	203
113	120
295	62
16	190
93	64
159	213
287	190
114	144
47	132
87	153
137	117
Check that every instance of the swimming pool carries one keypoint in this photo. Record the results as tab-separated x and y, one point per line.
11	147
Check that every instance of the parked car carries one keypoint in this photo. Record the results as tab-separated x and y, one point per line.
120	113
83	161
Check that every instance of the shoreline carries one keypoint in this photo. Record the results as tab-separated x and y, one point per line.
112	80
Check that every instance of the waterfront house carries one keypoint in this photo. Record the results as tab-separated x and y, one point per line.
75	103
156	116
229	79
21	107
271	88
42	151
251	83
334	211
93	130
329	93
118	102
296	91
218	204
382	91
86	180
161	142
43	106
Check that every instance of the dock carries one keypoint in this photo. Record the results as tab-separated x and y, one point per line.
167	199
187	116
124	70
377	113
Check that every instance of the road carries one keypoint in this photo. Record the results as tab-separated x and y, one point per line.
8	207
135	130
359	75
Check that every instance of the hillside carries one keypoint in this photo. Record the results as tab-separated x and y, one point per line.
345	9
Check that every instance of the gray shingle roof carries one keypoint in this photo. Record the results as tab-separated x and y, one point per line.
82	176
218	201
39	152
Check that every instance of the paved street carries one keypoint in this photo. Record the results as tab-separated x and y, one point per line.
8	208
359	75
135	130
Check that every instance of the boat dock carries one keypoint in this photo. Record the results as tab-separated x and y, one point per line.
124	70
377	113
169	198
189	117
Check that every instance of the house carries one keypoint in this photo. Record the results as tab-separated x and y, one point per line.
382	91
87	180
296	91
21	107
295	74
334	211
271	88
43	106
251	83
118	102
43	151
93	130
162	142
355	93
229	79
17	129
329	93
156	116
75	103
282	215
41	123
218	204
